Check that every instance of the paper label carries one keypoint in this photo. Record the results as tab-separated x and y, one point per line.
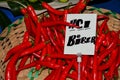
82	39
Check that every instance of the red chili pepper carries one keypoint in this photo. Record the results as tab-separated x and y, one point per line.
100	75
110	48
101	17
66	70
78	7
32	13
58	73
23	61
42	57
16	49
98	42
102	27
10	72
71	76
33	49
84	64
95	67
111	60
51	24
53	41
50	75
49	8
26	37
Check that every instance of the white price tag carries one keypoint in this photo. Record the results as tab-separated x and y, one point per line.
82	39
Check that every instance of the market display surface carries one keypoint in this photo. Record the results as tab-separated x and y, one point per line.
40	48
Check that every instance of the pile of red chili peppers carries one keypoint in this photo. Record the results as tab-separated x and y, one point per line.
43	46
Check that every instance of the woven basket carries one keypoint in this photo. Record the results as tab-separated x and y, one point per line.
16	35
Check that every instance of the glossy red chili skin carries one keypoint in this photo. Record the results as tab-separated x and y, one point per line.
33	49
16	49
111	60
32	13
66	70
10	72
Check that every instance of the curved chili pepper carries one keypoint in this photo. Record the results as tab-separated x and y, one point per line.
16	49
33	49
50	75
109	48
99	41
51	24
111	60
74	77
26	37
78	7
53	41
32	13
11	73
42	57
95	67
49	8
103	26
66	70
23	61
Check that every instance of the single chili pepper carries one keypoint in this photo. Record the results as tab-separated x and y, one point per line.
58	73
102	27
100	76
36	55
38	34
53	41
84	64
48	64
66	70
50	9
74	77
88	75
111	60
75	66
95	67
78	7
108	39
32	26
26	20
23	61
33	49
101	17
42	56
50	75
26	37
16	49
109	74
98	42
32	13
23	11
51	24
110	48
10	72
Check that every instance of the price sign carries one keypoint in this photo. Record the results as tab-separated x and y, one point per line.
82	39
